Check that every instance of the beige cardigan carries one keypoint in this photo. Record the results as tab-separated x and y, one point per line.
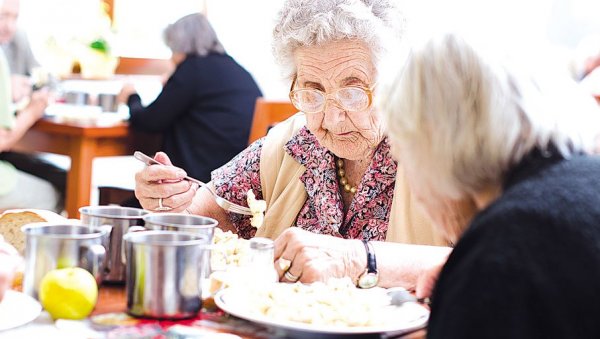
285	194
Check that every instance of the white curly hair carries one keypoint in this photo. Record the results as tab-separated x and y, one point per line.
379	23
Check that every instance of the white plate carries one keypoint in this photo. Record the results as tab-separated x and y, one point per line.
17	309
411	316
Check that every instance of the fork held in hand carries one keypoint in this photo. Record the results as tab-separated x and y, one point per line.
225	204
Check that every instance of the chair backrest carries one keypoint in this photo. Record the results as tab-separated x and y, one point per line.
143	66
268	113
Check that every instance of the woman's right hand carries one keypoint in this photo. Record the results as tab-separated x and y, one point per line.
164	182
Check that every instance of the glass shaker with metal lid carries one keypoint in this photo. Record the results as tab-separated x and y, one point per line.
262	257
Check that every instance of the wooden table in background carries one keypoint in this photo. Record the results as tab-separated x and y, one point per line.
82	144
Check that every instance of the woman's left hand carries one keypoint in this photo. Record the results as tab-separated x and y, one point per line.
308	257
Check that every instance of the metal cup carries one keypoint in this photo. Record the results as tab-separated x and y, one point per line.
121	219
181	222
49	246
108	102
186	223
163	274
77	98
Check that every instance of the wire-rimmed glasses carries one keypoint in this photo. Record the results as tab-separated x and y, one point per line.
350	98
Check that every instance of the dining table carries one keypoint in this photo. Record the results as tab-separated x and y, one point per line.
83	142
110	320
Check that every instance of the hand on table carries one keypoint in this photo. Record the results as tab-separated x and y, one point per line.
163	185
308	257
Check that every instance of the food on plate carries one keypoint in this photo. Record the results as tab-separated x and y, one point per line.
337	303
11	222
257	208
229	253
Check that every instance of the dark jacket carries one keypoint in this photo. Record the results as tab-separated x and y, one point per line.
528	266
204	113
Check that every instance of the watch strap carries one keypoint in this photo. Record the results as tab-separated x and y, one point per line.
371	260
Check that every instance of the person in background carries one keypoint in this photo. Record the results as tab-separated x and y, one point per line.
19	189
17	50
21	63
333	191
206	107
468	123
9	258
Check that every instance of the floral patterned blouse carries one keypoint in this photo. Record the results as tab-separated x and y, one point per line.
323	211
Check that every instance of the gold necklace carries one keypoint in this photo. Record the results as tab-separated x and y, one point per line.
342	176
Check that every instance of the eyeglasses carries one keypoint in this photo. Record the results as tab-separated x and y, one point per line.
350	98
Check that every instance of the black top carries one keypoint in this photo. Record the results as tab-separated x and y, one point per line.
528	266
204	112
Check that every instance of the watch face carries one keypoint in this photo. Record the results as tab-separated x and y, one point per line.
368	280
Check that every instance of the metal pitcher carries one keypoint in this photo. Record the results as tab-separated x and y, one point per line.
121	219
163	273
49	246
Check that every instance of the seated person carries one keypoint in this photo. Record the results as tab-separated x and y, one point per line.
469	123
21	64
19	189
205	109
326	172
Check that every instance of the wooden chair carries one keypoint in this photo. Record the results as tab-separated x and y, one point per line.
266	114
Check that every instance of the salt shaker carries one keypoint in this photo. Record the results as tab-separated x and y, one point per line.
262	257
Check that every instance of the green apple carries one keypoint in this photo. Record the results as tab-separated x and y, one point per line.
68	293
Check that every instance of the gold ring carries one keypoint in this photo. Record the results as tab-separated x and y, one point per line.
290	277
162	208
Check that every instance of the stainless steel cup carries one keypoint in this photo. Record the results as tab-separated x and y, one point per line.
49	246
181	222
77	98
121	219
108	102
163	273
186	223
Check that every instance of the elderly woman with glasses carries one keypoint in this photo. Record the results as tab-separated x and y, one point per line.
328	169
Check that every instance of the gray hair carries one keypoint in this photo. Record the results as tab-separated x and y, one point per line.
464	117
315	22
193	35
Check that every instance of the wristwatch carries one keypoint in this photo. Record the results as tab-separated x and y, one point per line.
370	276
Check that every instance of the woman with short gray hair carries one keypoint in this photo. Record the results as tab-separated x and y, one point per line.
326	173
179	39
468	124
205	109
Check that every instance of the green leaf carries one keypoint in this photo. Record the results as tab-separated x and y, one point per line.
100	45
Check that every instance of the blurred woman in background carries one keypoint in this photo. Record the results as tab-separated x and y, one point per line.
205	109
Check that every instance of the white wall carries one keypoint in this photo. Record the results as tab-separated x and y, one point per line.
245	26
245	29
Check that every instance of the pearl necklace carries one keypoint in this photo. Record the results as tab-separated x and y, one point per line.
342	176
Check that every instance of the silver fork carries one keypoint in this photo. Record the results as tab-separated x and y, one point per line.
225	204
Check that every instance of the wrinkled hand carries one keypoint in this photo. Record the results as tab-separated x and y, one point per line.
166	182
20	86
127	90
314	257
427	280
8	263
